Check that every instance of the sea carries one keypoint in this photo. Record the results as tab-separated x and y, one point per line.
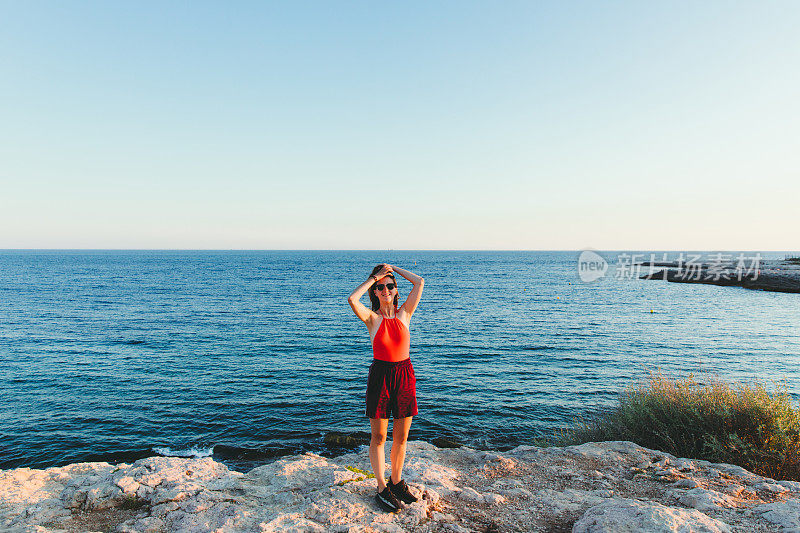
248	356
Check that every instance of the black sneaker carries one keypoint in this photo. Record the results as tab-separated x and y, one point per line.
401	491
387	501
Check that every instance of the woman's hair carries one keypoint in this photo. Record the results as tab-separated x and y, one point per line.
376	303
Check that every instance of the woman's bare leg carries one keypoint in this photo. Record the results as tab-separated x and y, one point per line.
398	453
377	454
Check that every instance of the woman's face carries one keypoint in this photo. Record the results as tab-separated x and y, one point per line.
386	295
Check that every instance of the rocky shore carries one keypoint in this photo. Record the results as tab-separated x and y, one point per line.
594	487
771	275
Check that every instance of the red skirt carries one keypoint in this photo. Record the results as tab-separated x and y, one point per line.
391	389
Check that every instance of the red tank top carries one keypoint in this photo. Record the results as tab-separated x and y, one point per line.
392	341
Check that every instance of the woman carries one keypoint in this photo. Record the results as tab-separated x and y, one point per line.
391	386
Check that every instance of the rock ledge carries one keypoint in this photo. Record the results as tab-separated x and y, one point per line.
594	487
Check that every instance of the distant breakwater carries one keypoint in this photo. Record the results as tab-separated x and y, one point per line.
774	276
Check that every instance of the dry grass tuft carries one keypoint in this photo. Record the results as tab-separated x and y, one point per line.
741	424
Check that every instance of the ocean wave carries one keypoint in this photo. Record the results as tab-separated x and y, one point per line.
194	451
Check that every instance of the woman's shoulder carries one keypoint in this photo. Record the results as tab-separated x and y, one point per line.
404	317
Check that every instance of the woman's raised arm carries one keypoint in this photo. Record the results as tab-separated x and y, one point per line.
412	301
360	309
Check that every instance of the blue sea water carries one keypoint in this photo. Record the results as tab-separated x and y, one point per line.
249	355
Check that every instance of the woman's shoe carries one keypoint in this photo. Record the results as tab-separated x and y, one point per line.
400	490
387	501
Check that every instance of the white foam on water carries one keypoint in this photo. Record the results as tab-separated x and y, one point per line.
191	452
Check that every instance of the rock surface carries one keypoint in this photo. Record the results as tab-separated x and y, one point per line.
594	487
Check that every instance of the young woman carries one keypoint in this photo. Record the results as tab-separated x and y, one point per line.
391	386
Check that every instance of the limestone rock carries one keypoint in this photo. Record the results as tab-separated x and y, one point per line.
625	515
605	486
704	499
785	514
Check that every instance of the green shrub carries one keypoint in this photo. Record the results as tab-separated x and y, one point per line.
365	475
359	471
745	425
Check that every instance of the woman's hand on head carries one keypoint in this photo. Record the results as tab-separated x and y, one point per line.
385	271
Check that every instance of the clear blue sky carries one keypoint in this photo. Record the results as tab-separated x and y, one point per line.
405	125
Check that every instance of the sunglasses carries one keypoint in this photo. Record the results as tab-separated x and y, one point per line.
389	286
